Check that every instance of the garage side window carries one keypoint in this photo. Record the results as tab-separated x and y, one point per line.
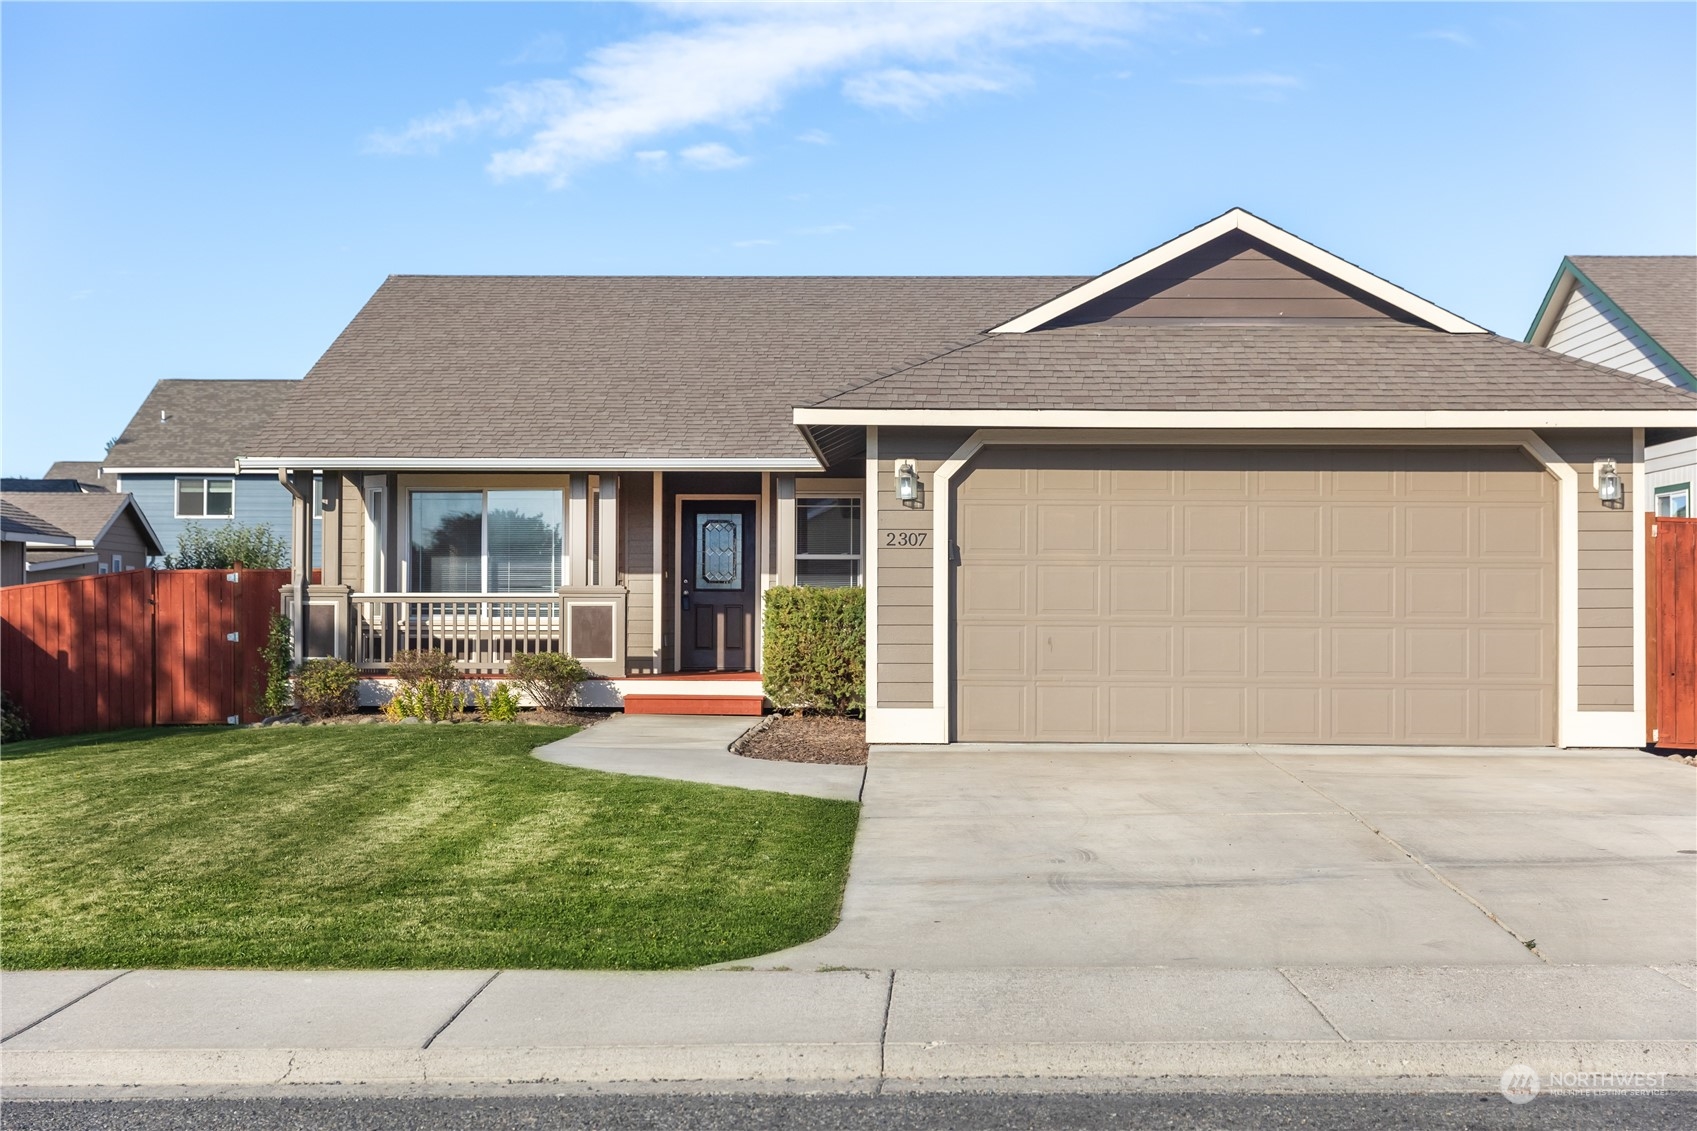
206	498
827	541
1674	501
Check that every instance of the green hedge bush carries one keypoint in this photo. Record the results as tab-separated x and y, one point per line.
549	678
228	545
327	687
815	649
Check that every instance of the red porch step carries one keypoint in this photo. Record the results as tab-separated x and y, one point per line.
694	704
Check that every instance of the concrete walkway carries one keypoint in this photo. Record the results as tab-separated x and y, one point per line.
215	1029
696	748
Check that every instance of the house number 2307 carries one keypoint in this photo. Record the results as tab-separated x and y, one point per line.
904	538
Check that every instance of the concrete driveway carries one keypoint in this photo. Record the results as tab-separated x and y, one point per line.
1267	856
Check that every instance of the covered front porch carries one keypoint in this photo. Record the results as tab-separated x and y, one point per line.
648	576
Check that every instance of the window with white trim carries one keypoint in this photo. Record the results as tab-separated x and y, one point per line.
486	541
1673	501
206	498
117	563
828	541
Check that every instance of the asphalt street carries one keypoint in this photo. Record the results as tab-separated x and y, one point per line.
932	1112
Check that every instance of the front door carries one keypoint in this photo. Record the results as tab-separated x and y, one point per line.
717	585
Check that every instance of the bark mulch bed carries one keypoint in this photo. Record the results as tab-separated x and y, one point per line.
825	739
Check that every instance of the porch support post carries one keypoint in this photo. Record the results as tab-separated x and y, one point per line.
786	530
577	531
332	533
659	567
607	553
299	486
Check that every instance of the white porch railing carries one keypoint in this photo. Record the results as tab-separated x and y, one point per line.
480	631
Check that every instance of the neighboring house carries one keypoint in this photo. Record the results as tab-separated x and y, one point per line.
1636	313
1236	489
107	532
18	530
178	455
85	472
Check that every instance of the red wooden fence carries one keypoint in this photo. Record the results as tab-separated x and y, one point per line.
143	648
1671	590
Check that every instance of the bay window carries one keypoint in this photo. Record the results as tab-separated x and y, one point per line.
486	541
827	541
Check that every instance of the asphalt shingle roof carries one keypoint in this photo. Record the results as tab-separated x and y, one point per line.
86	472
1659	292
206	423
1377	366
15	520
83	516
619	367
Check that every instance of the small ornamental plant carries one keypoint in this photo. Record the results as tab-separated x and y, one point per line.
327	688
549	678
499	706
279	664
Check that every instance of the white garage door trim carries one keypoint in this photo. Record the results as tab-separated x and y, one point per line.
1573	727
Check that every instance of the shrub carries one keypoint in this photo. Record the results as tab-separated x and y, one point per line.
549	678
327	687
279	658
815	650
431	702
416	666
14	724
226	546
499	706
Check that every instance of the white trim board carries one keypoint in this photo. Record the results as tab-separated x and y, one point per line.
1573	726
1204	419
727	463
1239	220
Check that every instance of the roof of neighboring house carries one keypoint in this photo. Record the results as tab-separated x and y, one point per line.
1659	292
38	560
47	485
197	425
85	517
619	367
1383	366
86	472
19	525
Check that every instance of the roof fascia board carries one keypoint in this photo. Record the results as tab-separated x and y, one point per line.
1572	270
38	539
1250	224
229	469
1095	418
1555	298
386	463
62	563
129	504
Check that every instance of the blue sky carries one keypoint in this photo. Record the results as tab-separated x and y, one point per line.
212	190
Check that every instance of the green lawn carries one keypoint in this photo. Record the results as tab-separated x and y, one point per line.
393	846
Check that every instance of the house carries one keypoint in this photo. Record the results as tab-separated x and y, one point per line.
1636	313
178	455
86	473
1235	489
72	533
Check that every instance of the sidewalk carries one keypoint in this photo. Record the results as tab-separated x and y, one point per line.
845	1030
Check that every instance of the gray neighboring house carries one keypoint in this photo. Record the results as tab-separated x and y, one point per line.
107	532
1636	313
178	455
86	473
20	529
1236	489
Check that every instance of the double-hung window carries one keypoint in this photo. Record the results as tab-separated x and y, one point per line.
827	541
206	498
1674	501
486	541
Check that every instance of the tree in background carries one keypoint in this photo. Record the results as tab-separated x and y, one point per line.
228	546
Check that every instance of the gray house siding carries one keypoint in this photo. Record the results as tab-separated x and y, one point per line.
260	500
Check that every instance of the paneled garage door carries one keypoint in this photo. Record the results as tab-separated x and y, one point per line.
1277	595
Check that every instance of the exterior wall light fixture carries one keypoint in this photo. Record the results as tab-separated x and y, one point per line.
907	481
1610	490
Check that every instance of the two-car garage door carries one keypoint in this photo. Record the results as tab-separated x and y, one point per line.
1279	595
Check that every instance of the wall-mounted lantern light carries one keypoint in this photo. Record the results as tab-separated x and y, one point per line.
907	481
1609	487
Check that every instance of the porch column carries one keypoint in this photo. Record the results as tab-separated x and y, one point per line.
577	531
607	553
786	530
299	486
332	535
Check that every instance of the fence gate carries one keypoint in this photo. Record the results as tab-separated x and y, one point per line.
141	648
1671	636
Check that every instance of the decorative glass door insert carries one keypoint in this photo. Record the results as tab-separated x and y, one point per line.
718	551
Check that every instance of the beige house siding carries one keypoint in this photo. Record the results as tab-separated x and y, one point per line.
636	522
1606	593
126	540
904	661
351	514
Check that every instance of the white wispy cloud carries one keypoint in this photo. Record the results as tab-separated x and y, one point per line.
1450	35
911	91
724	66
814	137
711	155
1262	79
652	158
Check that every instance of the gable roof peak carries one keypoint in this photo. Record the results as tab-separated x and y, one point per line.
1241	220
